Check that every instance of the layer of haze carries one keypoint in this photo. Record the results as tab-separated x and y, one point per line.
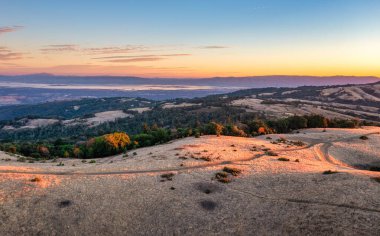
192	38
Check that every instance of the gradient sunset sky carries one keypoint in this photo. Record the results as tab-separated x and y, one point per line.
190	38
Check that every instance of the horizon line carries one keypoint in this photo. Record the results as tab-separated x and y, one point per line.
211	77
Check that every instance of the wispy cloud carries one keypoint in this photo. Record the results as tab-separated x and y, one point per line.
213	47
10	29
7	55
137	59
58	48
115	50
140	58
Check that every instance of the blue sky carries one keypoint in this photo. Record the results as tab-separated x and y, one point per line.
242	30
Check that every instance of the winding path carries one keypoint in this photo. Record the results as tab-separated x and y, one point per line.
322	151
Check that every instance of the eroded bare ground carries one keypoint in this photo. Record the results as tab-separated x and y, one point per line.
276	186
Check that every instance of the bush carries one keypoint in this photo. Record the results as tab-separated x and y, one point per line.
36	179
222	177
329	172
168	176
271	153
283	159
232	171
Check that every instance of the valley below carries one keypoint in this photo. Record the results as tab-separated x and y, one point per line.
312	180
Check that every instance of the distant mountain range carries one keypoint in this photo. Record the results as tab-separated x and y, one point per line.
90	117
36	88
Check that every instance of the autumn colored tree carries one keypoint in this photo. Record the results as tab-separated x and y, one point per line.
106	145
213	128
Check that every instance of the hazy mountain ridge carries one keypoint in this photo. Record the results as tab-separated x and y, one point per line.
128	114
258	81
32	89
353	97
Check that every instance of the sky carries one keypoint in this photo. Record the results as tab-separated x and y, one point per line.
190	38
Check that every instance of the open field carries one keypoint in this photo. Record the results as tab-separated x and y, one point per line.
276	186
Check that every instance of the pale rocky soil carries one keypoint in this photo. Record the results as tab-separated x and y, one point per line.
140	109
286	110
99	118
127	195
351	93
184	104
328	109
33	124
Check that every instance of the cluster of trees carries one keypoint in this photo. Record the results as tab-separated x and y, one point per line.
118	142
39	150
106	145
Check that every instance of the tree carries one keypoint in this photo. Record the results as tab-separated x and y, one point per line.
257	127
233	130
106	145
317	121
213	128
44	151
297	122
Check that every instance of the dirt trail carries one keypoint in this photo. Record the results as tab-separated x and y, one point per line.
322	152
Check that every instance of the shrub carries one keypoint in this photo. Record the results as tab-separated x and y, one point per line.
283	159
271	153
205	158
92	162
329	172
363	137
298	143
168	176
232	171
36	179
222	177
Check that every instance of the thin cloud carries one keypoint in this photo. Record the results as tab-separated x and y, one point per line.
213	47
10	56
142	56
138	59
10	29
115	50
58	48
7	55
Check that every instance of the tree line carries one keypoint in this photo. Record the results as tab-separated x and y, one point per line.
119	142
